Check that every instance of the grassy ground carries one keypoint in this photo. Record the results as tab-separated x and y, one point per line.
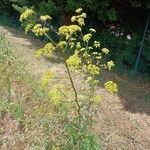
24	109
122	121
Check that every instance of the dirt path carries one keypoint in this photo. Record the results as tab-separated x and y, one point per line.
123	121
25	48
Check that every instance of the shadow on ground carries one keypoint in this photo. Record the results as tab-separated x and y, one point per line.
133	93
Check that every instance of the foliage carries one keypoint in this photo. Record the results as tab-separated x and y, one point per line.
79	54
9	71
15	107
103	10
124	51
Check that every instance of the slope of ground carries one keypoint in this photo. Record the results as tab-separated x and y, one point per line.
123	120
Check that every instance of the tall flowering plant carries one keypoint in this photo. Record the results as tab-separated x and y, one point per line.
80	53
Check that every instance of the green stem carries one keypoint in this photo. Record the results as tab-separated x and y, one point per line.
70	77
50	39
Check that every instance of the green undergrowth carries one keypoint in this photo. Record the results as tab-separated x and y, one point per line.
23	101
9	21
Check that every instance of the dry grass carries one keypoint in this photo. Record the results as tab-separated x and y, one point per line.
122	121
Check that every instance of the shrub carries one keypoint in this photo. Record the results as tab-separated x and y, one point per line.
125	51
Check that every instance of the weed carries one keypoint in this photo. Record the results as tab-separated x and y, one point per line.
79	54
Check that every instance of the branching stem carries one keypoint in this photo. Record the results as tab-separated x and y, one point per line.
73	87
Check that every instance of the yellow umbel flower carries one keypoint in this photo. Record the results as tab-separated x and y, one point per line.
62	44
26	14
28	28
44	18
92	30
38	30
87	37
71	44
105	50
97	99
93	69
81	21
46	78
56	148
78	45
79	10
96	44
74	61
83	15
48	49
79	18
110	64
63	30
73	29
37	26
69	30
39	53
55	94
111	87
73	18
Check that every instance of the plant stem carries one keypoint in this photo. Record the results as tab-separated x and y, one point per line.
70	77
73	87
50	39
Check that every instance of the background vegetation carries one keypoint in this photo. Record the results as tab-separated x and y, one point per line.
120	23
28	117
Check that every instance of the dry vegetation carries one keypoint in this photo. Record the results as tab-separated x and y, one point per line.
122	121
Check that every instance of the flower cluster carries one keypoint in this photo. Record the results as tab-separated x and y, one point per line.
97	99
39	53
26	14
74	61
47	51
111	87
79	18
68	31
110	64
62	44
55	94
39	31
92	30
79	10
28	28
87	37
93	69
78	45
96	44
105	51
46	78
44	18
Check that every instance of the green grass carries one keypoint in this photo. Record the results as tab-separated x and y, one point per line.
19	100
